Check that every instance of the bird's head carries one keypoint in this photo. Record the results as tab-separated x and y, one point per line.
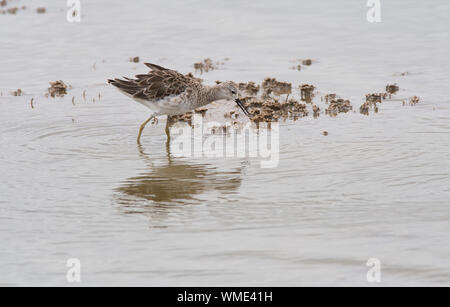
229	91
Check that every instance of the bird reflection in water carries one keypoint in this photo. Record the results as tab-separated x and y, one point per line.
158	189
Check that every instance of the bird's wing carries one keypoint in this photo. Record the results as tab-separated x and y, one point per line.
160	82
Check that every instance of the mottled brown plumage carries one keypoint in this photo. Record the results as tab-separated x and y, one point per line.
160	82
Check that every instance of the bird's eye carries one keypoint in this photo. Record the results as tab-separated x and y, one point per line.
233	92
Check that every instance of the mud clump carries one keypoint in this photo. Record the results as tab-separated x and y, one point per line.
206	65
18	92
338	106
414	100
376	97
271	109
41	10
304	62
272	85
392	88
306	92
57	89
371	102
316	111
134	59
249	88
330	97
12	10
366	107
295	109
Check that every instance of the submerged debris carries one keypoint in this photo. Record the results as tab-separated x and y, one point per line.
338	106
307	62
57	89
325	133
271	85
41	10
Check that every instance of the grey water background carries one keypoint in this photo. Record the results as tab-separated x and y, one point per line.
74	184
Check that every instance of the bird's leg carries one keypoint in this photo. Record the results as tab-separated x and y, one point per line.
141	128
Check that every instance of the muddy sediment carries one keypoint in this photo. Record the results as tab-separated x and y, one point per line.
307	92
207	65
307	62
269	101
301	62
316	111
392	88
272	109
414	100
58	89
249	88
10	10
373	99
134	59
266	103
337	106
272	85
17	92
329	97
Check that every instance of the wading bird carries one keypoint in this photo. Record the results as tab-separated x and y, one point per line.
167	92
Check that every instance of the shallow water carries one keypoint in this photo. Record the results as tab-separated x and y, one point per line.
74	184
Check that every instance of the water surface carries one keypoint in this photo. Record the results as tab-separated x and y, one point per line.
74	184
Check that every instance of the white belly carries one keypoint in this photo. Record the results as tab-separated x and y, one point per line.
170	105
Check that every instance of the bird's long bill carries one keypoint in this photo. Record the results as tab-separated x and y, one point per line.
241	105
